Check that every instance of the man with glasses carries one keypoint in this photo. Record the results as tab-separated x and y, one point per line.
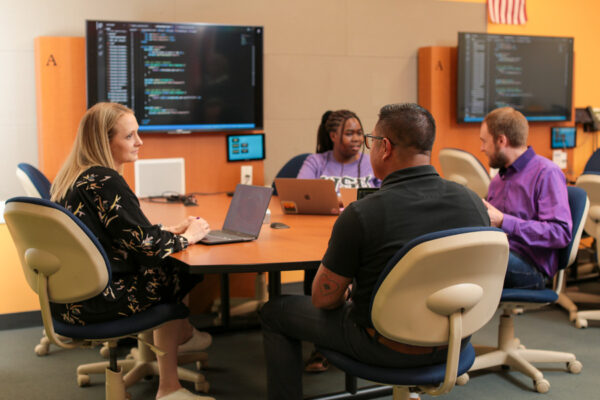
413	200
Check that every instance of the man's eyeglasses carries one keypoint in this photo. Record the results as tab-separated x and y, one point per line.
369	140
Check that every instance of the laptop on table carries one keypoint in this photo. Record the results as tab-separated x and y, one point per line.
244	216
307	196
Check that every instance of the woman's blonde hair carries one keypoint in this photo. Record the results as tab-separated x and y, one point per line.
91	147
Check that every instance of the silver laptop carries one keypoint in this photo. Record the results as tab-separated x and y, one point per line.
307	196
244	216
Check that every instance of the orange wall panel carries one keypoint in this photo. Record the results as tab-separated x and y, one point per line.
15	293
60	93
205	154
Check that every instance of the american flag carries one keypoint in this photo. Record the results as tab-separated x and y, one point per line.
510	12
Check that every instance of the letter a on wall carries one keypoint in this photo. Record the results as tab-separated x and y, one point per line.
51	61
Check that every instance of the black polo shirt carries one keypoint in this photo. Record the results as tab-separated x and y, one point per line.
411	202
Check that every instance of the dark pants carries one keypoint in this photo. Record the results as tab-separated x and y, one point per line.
521	274
287	320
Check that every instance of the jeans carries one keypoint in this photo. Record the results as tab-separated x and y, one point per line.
287	320
522	275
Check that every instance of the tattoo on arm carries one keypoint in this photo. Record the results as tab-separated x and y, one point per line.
328	286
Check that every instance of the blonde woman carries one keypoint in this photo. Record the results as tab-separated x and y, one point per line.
90	185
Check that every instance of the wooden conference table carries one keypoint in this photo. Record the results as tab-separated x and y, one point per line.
301	246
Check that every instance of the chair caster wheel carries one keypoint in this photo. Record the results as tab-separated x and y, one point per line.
202	387
542	386
574	367
42	349
462	380
581	323
83	380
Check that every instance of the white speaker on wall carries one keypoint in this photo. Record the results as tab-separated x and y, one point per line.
157	176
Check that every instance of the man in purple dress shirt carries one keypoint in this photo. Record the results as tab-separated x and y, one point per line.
527	200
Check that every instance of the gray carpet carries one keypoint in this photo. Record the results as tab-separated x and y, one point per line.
236	368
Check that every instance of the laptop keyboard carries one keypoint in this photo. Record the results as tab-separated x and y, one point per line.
222	235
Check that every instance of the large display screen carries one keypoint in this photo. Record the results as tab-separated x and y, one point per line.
532	74
178	78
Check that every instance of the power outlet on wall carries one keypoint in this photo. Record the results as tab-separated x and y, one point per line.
246	175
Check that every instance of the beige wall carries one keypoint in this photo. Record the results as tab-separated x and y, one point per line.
319	54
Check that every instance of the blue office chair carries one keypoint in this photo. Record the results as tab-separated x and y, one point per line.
464	168
34	182
437	290
510	352
290	169
593	163
63	262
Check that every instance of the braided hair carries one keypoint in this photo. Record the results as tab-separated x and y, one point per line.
331	121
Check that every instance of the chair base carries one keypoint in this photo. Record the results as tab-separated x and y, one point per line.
245	306
43	348
141	362
510	352
115	387
582	317
239	306
571	296
370	392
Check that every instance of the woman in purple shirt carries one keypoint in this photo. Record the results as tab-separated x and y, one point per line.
340	155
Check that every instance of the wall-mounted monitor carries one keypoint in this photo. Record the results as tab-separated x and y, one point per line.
533	74
177	77
563	137
245	147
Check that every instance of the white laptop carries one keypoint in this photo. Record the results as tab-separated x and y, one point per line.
244	216
307	196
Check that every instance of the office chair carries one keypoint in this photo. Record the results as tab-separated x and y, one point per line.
510	352
244	306
63	262
290	169
452	286
34	182
593	163
590	182
463	167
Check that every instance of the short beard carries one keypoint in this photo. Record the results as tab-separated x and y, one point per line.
498	159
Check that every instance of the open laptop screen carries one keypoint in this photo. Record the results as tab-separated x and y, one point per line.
247	209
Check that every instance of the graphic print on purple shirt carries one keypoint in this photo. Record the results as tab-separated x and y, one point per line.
352	175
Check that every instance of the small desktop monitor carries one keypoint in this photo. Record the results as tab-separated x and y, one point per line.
246	147
563	137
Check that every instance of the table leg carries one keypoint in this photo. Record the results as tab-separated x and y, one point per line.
274	284
225	300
